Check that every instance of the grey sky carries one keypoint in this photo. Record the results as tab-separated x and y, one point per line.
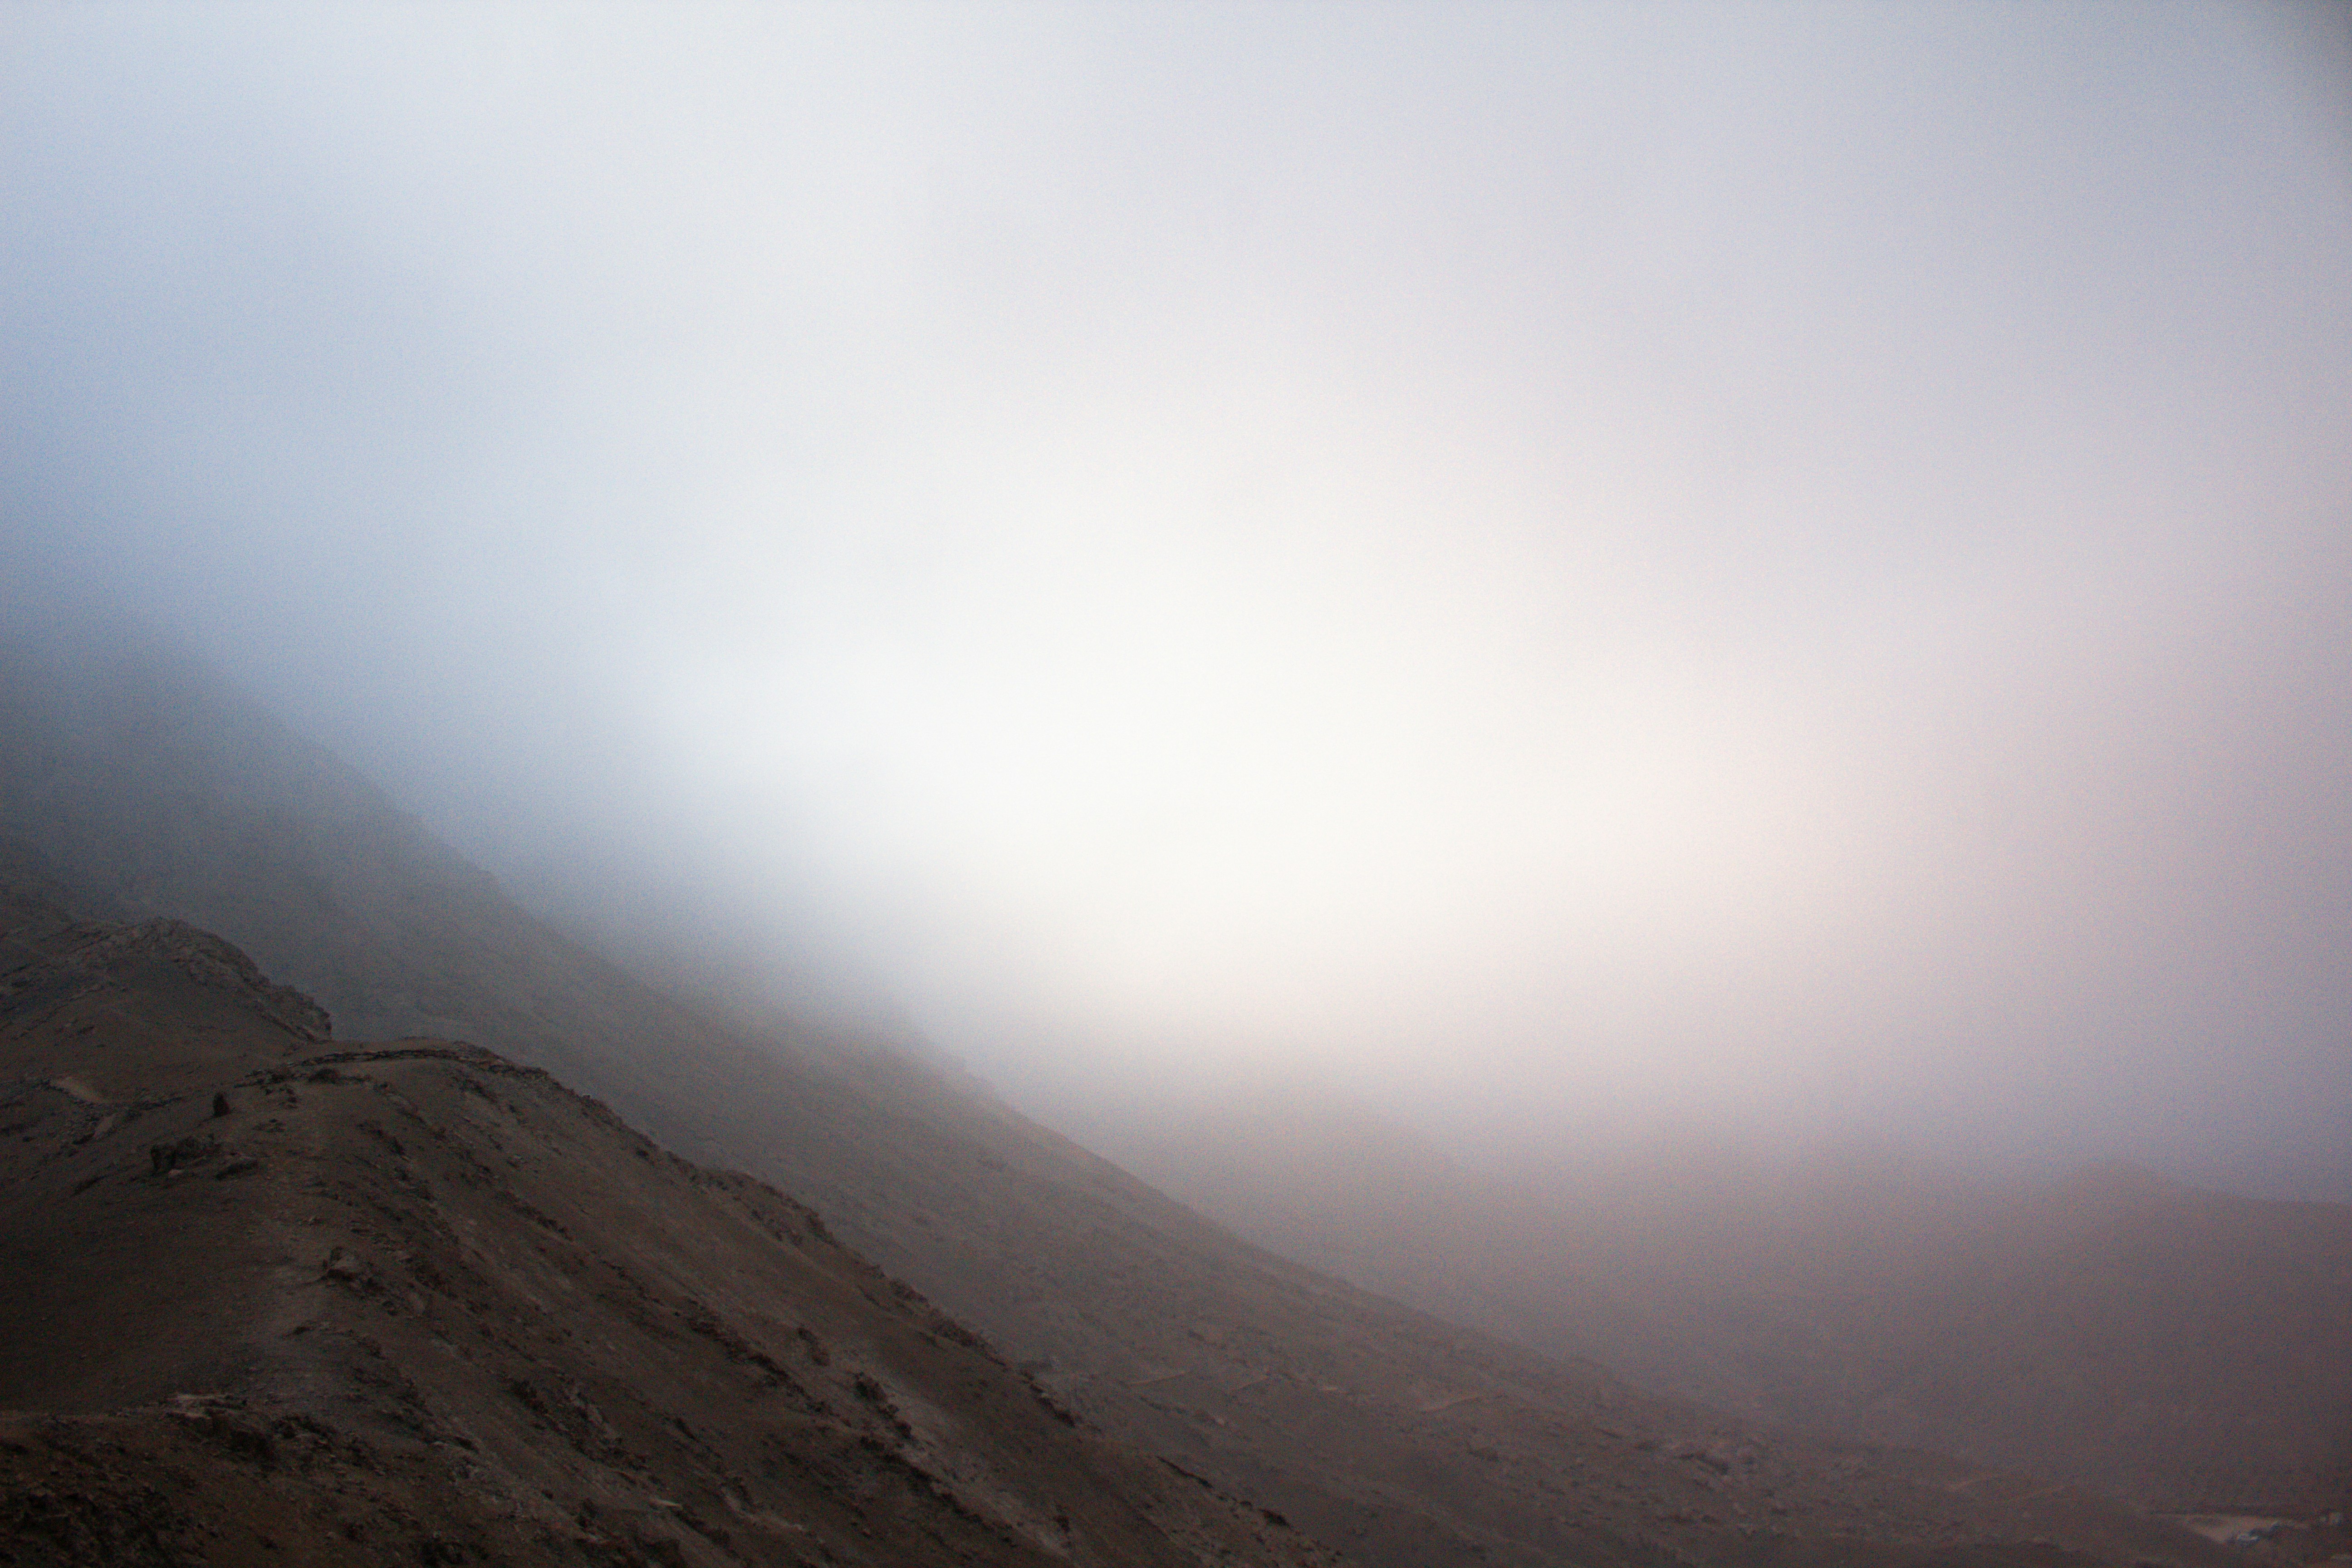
1563	565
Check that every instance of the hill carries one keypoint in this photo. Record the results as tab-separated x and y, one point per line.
2189	1351
277	1301
1394	1436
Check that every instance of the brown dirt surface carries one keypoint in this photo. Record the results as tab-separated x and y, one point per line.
418	1304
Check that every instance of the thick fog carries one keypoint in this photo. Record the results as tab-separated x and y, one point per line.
1564	571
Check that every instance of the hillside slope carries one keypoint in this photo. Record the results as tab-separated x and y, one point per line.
1390	1435
2187	1349
419	1303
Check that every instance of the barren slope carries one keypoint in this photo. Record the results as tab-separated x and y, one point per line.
1395	1437
2186	1350
421	1304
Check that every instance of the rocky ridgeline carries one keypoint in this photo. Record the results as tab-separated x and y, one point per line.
204	958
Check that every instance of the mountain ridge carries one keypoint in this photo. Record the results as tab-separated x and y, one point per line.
415	1302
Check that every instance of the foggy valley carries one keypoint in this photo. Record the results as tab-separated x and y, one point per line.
1382	784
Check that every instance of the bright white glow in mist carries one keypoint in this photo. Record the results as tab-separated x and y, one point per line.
1552	564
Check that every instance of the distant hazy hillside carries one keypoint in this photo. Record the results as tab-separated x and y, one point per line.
1396	1438
148	786
2178	1347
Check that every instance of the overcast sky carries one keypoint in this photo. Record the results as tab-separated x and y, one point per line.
1561	567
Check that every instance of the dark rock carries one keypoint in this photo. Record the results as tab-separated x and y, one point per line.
192	1149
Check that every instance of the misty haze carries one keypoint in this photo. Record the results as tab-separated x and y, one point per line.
1374	785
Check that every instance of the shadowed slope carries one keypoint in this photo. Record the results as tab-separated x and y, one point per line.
417	1303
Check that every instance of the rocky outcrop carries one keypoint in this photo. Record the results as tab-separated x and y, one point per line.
207	959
